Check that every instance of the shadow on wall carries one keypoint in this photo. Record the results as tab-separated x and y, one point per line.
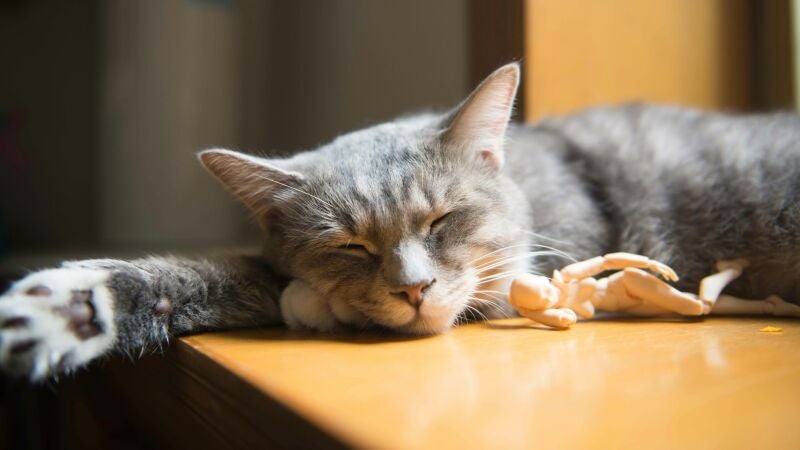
115	97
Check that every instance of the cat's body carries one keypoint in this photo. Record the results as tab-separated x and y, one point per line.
684	187
414	224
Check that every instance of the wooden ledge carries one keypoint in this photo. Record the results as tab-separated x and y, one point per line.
717	383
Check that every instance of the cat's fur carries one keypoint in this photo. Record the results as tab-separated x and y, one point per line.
445	209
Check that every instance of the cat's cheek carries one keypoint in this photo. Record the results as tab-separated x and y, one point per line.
345	313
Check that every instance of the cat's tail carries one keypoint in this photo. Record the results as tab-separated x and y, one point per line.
56	321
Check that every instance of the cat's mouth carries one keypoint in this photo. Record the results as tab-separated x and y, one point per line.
433	317
439	310
430	318
429	322
440	313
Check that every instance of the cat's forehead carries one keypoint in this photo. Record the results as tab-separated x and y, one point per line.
391	190
388	142
386	188
394	161
385	177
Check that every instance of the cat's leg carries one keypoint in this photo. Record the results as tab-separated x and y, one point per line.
57	320
770	306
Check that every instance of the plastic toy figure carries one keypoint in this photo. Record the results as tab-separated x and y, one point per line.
574	292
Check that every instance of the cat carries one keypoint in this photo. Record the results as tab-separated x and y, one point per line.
416	224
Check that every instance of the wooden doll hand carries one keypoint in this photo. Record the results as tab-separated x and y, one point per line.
532	292
561	318
662	269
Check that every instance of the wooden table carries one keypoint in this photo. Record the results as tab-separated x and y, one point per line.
717	383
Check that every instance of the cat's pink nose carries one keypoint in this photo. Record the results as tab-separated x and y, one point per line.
414	294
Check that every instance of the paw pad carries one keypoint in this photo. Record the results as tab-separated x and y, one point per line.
54	321
15	322
81	315
163	307
39	291
22	347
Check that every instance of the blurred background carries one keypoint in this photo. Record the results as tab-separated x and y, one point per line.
103	103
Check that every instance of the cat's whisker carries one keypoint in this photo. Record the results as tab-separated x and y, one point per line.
489	292
499	276
490	304
507	274
494	302
506	259
542	236
296	190
513	258
556	251
486	255
485	276
485	273
486	301
475	311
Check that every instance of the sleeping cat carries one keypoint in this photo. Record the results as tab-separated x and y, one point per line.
418	223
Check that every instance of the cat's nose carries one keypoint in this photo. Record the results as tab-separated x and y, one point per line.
415	293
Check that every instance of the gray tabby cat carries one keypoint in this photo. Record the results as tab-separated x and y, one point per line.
415	224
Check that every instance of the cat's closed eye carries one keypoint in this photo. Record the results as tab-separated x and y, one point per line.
438	223
354	248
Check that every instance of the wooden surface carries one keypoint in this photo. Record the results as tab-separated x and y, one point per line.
580	53
718	383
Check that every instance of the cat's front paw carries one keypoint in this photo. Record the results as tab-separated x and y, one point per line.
55	321
303	308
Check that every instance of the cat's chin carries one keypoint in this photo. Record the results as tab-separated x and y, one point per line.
420	328
429	323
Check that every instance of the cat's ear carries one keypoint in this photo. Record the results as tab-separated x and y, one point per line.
479	124
255	181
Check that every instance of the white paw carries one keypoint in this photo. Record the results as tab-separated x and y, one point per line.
55	321
302	307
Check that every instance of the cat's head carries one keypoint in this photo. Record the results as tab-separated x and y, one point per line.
401	224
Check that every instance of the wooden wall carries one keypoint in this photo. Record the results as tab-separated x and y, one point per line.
714	54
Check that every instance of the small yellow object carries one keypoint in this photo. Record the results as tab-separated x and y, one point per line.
771	329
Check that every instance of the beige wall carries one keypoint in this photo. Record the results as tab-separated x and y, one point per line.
687	52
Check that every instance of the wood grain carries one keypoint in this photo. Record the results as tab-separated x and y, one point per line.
718	383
